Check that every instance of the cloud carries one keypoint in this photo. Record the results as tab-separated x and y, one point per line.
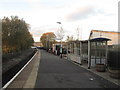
38	31
32	1
83	13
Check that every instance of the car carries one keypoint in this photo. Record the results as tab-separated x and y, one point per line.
34	47
40	47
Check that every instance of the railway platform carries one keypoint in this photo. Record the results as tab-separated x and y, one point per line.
49	71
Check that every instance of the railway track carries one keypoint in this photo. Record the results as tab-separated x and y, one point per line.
10	75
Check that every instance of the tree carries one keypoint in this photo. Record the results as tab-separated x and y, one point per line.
69	38
15	34
48	39
60	33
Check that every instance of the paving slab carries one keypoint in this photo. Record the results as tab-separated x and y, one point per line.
27	78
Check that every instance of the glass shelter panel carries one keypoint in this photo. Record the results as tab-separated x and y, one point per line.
98	51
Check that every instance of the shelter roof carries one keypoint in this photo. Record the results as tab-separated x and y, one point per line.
100	39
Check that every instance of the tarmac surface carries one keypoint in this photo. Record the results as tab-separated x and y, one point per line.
49	71
54	72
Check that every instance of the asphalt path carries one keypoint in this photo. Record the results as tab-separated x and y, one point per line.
55	72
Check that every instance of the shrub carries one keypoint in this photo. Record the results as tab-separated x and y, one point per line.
114	59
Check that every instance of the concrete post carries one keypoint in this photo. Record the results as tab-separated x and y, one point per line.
61	49
67	52
89	56
106	53
80	52
0	53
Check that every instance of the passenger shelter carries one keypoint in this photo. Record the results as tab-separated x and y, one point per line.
93	51
97	51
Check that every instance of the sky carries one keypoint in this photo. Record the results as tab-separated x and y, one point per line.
82	15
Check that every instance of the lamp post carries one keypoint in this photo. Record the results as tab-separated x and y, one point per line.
61	37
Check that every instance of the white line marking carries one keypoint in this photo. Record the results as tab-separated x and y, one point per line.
30	83
8	83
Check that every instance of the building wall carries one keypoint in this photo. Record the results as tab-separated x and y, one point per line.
64	45
114	36
37	44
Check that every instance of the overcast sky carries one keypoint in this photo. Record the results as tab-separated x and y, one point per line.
42	15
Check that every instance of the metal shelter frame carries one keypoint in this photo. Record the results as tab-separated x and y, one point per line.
97	50
94	49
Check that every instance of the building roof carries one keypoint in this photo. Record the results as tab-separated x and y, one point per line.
112	32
